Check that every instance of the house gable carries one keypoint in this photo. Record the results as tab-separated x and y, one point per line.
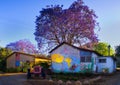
64	57
78	48
65	49
66	52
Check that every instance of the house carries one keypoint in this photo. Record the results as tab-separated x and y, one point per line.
69	58
17	59
106	63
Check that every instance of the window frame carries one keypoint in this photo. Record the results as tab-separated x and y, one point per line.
86	59
102	60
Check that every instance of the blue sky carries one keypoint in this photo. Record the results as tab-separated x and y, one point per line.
17	18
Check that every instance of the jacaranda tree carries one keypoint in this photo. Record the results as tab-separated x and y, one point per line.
74	25
22	46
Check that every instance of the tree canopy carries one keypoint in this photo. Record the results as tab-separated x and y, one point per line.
22	46
4	52
74	25
117	51
102	48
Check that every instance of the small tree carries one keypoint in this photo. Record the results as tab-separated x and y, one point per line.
117	51
102	48
117	54
4	52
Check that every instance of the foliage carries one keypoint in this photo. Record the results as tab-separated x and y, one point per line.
118	65
117	51
12	70
22	46
26	65
118	61
25	69
117	54
102	48
44	64
2	64
70	76
74	25
4	52
22	68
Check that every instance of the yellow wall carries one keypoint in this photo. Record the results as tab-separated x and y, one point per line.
37	60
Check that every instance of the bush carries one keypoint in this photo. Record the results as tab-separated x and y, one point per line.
2	65
12	70
25	67
44	64
70	76
118	65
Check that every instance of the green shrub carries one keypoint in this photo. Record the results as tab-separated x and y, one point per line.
12	70
25	69
118	65
44	64
2	65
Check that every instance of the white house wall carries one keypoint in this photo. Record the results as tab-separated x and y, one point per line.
109	64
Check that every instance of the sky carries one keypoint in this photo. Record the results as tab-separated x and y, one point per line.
17	19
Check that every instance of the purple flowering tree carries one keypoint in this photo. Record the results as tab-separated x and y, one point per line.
22	46
74	25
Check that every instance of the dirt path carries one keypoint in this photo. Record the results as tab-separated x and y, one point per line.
112	79
20	79
12	79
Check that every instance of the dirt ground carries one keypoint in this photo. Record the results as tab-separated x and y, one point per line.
20	79
109	79
106	79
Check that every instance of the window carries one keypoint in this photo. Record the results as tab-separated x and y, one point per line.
82	59
86	59
102	60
